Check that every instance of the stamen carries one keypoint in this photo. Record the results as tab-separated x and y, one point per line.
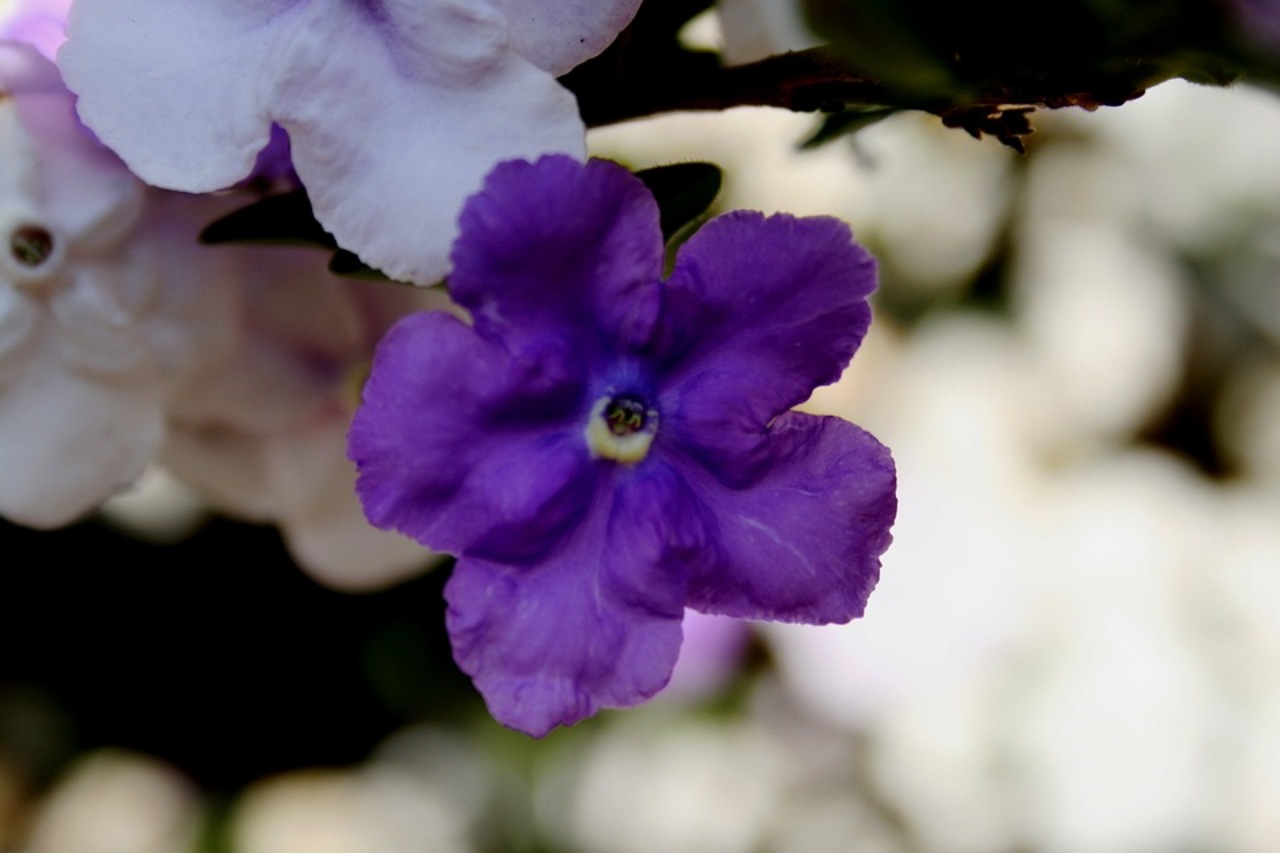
30	245
621	428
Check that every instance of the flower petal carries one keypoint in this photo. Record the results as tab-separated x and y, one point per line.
595	624
83	192
18	318
299	481
556	35
98	332
351	152
758	312
69	442
803	542
362	89
581	265
334	543
41	23
464	448
180	90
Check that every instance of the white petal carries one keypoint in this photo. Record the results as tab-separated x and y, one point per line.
387	175
323	522
82	189
178	89
225	465
67	442
96	333
556	35
396	111
293	340
193	313
18	317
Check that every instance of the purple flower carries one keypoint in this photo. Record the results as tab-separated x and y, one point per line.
602	447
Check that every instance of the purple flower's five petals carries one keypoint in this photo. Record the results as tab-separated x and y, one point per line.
465	449
802	543
187	93
556	35
579	266
758	312
594	624
602	448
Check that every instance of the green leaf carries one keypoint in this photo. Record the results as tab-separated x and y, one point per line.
285	218
684	192
846	122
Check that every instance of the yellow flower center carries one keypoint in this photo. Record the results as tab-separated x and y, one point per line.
621	428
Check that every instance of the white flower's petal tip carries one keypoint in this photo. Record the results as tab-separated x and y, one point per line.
71	442
336	546
557	35
170	87
403	220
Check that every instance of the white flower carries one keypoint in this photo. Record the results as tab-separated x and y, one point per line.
261	432
396	109
102	305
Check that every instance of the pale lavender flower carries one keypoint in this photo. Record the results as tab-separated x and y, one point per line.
261	432
396	109
105	302
41	23
602	447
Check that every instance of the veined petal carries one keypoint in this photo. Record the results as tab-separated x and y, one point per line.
594	624
758	312
187	93
180	90
556	35
581	264
803	542
388	175
465	448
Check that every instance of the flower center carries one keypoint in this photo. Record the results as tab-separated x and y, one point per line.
621	427
624	415
30	245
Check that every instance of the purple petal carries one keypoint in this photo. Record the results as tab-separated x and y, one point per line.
758	312
465	448
564	249
596	624
803	542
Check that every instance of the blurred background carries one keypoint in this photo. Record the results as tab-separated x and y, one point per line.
1074	647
